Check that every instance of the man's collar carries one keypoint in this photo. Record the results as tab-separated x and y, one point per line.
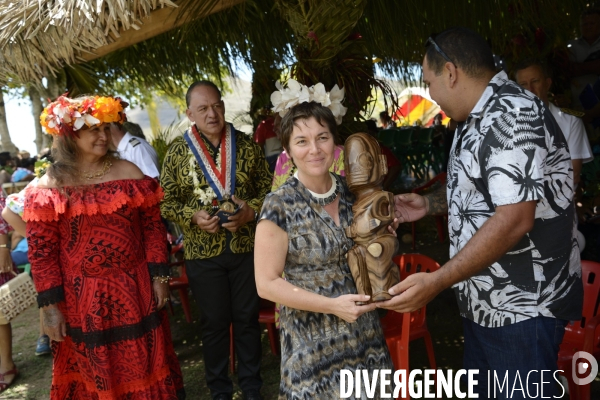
498	80
124	141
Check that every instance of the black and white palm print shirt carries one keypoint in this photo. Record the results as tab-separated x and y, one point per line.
511	150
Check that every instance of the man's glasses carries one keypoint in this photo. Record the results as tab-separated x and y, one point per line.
438	49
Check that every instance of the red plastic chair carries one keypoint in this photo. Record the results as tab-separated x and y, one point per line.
181	284
440	220
583	335
266	315
410	264
395	328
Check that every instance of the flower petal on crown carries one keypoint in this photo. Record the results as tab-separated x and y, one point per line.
294	86
78	123
319	94
304	95
91	120
336	94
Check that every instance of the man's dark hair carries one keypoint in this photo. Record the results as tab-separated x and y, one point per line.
590	11
27	162
532	62
384	116
304	111
194	85
4	157
465	48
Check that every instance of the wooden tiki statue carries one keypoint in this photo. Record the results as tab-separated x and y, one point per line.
370	259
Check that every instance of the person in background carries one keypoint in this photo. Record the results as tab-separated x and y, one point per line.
533	75
393	165
13	215
135	150
514	262
24	171
6	169
8	369
135	129
99	261
266	138
585	59
215	166
386	121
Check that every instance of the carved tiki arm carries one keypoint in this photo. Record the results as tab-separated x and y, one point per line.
370	259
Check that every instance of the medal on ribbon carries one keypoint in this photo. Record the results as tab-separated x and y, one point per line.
220	178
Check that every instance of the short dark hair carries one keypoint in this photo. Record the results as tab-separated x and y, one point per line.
385	117
305	111
590	11
532	62
467	50
194	85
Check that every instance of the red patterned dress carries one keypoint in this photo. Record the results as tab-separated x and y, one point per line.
93	252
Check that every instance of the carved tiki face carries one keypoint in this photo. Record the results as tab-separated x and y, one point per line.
364	164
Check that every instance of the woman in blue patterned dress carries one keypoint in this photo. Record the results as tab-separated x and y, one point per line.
302	233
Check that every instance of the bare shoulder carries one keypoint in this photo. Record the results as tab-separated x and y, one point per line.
124	169
47	182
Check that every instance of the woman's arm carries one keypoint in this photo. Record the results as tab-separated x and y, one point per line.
270	251
6	264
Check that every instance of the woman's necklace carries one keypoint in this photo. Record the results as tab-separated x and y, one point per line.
324	199
97	174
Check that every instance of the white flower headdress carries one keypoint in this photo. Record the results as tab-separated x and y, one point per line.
285	98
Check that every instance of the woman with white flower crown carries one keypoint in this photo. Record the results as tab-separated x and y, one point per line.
301	232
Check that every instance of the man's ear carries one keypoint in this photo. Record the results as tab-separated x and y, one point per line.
451	72
189	115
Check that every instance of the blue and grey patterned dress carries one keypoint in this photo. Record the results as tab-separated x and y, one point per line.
315	346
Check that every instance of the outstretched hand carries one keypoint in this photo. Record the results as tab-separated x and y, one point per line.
412	293
409	207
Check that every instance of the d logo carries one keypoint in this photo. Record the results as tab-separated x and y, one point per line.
583	364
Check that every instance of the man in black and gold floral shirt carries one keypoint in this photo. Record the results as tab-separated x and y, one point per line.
215	180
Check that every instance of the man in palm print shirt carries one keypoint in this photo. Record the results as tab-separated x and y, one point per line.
514	265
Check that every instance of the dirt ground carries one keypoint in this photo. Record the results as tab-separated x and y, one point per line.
442	318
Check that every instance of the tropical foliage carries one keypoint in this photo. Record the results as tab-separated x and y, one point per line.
316	41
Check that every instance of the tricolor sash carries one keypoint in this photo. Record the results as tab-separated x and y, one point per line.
221	181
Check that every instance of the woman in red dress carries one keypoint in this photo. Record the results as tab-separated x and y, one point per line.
98	256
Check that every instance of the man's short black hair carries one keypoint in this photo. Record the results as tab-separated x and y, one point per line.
590	11
532	62
194	85
465	48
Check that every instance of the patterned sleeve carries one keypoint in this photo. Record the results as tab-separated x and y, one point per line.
261	176
175	169
274	211
43	240
155	241
512	158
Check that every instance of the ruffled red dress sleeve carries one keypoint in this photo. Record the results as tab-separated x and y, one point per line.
46	208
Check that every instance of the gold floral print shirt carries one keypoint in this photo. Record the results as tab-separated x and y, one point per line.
253	182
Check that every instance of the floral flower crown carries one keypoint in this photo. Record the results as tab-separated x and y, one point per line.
65	116
296	93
